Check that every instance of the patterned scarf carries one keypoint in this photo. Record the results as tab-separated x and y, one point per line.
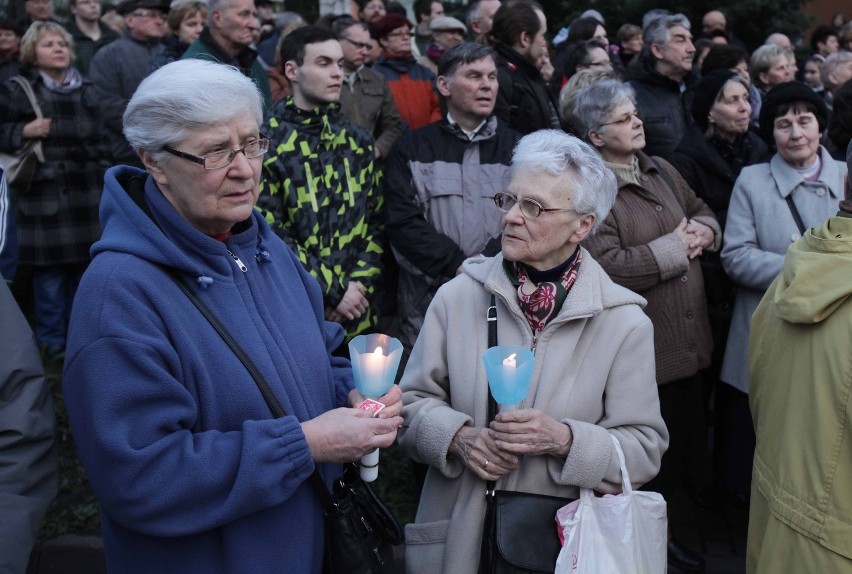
543	304
73	80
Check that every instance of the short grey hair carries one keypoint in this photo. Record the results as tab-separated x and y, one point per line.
659	32
186	95
556	153
570	91
832	62
763	58
595	102
216	6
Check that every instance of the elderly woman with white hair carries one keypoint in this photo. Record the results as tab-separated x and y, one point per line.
593	375
650	243
192	471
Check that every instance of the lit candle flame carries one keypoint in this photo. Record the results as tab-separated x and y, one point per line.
378	352
510	361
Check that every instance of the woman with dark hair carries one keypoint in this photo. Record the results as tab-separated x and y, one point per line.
581	31
710	157
524	101
57	218
10	45
734	58
771	205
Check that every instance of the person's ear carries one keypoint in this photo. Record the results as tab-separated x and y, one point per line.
595	139
443	85
587	223
525	40
291	71
154	169
216	19
656	51
763	77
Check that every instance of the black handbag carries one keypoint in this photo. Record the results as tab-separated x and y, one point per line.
520	532
359	529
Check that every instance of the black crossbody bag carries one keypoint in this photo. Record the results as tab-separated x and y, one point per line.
519	534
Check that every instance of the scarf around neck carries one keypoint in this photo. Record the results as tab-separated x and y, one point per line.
73	80
544	303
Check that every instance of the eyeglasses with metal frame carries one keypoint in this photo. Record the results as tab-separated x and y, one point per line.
224	158
529	207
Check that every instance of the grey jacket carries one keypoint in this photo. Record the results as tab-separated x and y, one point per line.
759	230
116	71
438	191
28	463
594	371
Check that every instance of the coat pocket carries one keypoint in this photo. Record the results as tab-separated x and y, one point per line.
425	544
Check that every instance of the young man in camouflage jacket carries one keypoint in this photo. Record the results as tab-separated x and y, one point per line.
319	185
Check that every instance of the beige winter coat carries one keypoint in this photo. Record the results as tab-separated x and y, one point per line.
594	371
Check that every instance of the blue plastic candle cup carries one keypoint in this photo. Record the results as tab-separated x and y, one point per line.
375	360
509	369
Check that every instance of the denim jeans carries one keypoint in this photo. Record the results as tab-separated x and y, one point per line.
53	289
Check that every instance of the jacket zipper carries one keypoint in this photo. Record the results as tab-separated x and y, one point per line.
239	262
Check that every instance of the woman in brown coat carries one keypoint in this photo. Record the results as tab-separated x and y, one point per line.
650	243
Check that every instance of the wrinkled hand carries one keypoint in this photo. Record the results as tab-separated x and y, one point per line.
391	399
476	449
37	129
703	237
353	304
530	431
345	434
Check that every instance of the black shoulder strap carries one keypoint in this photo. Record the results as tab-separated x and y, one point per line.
794	211
492	342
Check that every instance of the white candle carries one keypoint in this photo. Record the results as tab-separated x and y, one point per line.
510	361
374	365
510	380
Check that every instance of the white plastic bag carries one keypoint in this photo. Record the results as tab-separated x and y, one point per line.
621	534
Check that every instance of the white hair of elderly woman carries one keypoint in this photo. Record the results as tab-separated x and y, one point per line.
186	95
556	152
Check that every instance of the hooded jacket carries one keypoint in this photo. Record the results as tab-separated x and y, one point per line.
801	382
524	101
594	371
192	472
319	192
412	87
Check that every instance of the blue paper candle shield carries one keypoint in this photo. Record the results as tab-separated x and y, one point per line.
509	369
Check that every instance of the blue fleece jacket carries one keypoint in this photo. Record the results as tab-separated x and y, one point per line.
192	472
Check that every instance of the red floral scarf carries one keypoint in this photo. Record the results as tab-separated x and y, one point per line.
543	304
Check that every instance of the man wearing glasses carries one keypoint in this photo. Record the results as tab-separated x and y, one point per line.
118	68
318	184
365	98
410	83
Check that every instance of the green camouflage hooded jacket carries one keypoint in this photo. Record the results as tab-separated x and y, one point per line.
319	192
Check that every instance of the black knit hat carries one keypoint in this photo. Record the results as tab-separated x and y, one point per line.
789	93
705	94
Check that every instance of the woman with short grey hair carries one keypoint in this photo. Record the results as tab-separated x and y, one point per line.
650	243
192	471
593	378
771	65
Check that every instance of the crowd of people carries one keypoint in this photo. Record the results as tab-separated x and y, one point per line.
623	202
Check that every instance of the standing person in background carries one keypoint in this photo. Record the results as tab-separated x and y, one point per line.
185	21
440	182
371	11
118	69
650	243
801	180
57	218
710	157
424	12
410	83
36	11
29	470
365	98
88	33
480	17
8	233
824	41
630	41
662	79
446	33
524	102
228	39
800	379
10	47
319	188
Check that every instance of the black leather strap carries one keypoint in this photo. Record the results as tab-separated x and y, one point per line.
794	211
492	342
